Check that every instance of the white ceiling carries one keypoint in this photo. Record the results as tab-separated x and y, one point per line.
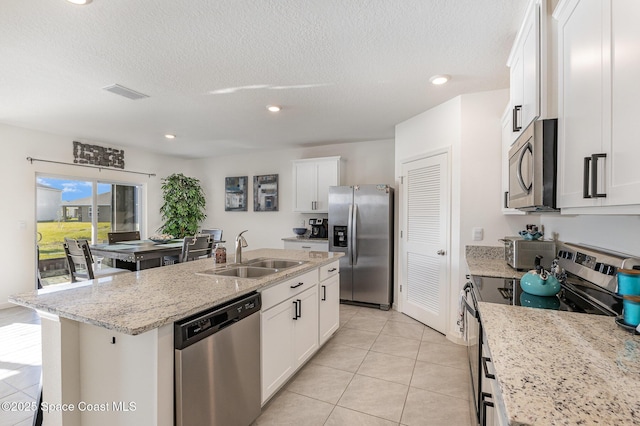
342	70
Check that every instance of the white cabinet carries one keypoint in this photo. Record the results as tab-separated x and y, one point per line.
311	181
598	65
306	245
329	295
506	145
530	94
289	329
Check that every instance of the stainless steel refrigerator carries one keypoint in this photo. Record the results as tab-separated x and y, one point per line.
361	226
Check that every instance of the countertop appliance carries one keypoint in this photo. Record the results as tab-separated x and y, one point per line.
318	228
217	365
588	286
361	225
521	254
532	168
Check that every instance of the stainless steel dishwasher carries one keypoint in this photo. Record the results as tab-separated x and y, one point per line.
217	365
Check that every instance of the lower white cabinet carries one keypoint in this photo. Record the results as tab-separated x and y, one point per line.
307	245
329	294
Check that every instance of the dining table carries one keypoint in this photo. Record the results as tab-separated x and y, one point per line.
137	255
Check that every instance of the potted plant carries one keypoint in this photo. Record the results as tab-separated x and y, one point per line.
184	205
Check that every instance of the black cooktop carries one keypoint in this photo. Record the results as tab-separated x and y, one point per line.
576	296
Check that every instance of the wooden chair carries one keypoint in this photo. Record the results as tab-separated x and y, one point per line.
216	234
80	262
115	237
193	248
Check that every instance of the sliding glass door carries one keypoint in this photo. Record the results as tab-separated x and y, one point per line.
79	208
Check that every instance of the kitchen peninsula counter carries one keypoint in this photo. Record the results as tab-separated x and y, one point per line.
140	301
486	261
563	368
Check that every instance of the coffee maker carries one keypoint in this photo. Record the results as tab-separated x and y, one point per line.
319	228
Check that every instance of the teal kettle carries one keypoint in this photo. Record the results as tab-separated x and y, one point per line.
539	282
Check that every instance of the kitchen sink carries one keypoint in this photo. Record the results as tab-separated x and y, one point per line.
241	272
275	263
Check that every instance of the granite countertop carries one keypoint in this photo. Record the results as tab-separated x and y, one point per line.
140	301
563	368
486	261
305	239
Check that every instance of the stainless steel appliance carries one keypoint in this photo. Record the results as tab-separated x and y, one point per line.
588	281
318	228
361	225
217	365
521	254
532	168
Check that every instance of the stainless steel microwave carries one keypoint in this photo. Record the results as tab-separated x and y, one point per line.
532	168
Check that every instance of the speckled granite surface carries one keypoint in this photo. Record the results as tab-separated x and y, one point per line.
489	262
141	301
563	368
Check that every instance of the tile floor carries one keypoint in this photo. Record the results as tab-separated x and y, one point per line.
381	368
20	362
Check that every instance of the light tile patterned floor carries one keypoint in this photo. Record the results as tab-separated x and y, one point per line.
20	362
381	368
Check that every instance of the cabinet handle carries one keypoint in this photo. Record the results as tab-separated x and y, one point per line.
306	247
324	292
295	308
299	309
585	177
486	369
594	176
297	285
516	110
332	270
506	199
485	404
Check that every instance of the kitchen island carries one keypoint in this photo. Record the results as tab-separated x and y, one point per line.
563	368
108	343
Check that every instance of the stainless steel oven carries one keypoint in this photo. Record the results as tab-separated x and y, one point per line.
472	333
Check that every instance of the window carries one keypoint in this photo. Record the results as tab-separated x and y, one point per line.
64	208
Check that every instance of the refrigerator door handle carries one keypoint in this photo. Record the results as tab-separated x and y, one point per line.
349	239
354	234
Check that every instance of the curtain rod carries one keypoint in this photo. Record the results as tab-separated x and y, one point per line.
100	168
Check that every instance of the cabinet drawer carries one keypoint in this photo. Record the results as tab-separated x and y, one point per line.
330	270
289	288
306	245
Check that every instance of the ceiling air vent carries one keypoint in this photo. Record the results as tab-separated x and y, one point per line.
123	91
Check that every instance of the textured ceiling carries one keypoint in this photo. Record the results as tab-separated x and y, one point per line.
343	71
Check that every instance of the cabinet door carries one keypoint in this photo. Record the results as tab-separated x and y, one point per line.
623	173
305	185
581	89
531	68
328	175
306	245
277	335
329	295
516	94
306	326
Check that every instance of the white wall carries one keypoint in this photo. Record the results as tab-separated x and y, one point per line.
363	162
18	214
469	126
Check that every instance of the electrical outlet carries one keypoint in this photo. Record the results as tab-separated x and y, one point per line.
477	234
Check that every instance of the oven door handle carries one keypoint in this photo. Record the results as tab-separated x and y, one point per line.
471	309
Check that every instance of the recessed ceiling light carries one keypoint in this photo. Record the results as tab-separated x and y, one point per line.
82	2
168	136
439	79
273	108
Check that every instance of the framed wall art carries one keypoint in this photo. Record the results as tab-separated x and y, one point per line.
265	193
235	193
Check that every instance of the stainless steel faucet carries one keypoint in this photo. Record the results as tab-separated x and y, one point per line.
240	242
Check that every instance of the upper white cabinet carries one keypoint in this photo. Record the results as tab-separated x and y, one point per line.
598	65
530	94
311	181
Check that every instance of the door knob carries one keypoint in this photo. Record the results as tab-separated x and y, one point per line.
440	252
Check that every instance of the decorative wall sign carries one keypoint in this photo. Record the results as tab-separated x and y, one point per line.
235	193
265	193
84	153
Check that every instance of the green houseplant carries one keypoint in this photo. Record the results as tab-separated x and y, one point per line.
184	205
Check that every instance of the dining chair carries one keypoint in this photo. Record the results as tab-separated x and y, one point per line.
80	261
216	234
115	237
196	247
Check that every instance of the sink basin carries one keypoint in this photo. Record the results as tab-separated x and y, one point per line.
276	263
241	272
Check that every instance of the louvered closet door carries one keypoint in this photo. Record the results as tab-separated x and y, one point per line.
424	241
